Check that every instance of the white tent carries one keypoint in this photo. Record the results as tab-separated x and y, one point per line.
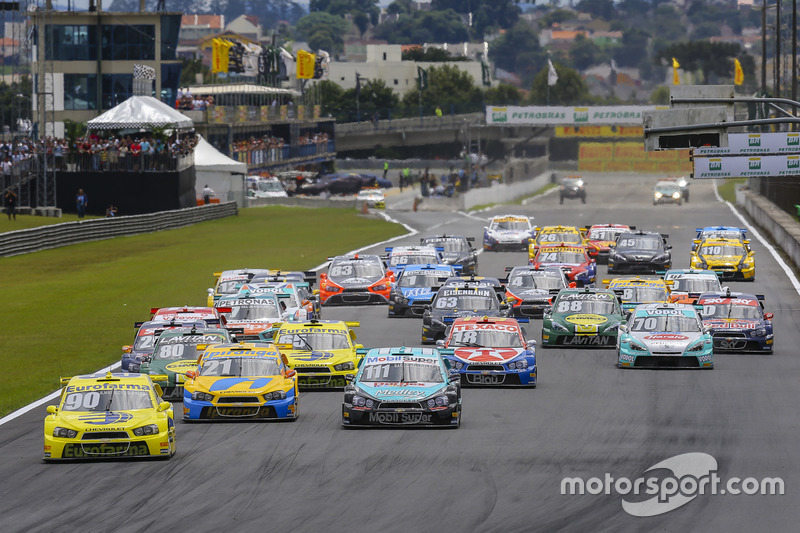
140	112
224	175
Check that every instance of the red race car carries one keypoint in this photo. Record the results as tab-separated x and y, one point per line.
573	260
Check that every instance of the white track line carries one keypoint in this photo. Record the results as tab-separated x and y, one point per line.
753	231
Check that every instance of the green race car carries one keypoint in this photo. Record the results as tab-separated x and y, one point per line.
175	352
582	317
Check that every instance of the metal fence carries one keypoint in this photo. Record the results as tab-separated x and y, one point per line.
42	238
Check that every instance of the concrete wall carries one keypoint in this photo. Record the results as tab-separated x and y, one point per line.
780	225
303	201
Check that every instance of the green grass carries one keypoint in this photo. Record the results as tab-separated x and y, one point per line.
728	189
543	190
31	221
69	310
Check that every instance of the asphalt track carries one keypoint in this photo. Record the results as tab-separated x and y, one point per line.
502	470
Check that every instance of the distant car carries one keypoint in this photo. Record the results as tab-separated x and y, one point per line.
243	381
109	416
603	238
144	340
641	252
253	314
491	351
582	317
403	387
175	352
295	307
373	197
451	303
738	322
474	282
322	352
355	279
574	260
667	192
399	256
633	291
209	315
228	282
664	336
415	288
507	232
687	284
572	187
456	251
305	294
530	290
730	258
552	235
716	232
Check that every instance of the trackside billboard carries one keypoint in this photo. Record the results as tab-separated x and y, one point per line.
746	166
567	116
755	144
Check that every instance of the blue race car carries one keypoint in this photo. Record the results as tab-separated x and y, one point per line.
491	351
738	322
714	232
403	387
659	335
415	288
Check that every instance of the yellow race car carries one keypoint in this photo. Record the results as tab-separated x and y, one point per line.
102	416
729	258
550	235
239	381
633	291
322	352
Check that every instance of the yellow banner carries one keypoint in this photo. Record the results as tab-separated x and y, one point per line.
629	152
264	113
599	131
305	65
595	151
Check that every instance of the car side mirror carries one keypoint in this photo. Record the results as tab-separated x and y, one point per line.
323	276
440	344
530	344
349	378
768	316
210	291
52	409
623	328
163	406
668	247
426	308
191	374
503	306
455	377
290	373
126	348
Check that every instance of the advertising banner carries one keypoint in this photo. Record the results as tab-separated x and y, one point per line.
755	144
599	131
575	116
746	167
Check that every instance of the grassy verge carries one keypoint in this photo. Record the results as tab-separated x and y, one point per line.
728	189
537	193
31	221
69	310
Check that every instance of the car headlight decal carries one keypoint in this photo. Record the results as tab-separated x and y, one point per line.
150	429
65	433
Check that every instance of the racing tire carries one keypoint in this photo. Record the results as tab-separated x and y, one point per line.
560	199
583	199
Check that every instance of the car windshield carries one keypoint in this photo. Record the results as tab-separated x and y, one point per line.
721	234
695	284
644	294
412	259
119	399
559	236
253	309
144	342
676	323
728	310
240	366
603	234
355	269
510	225
572	182
449	245
640	243
597	306
486	338
529	280
270	186
667	189
475	302
399	372
560	257
307	341
725	250
420	278
229	287
184	346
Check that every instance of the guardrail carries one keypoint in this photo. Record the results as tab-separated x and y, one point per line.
780	225
36	239
416	123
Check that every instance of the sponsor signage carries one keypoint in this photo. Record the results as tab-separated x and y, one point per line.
568	116
744	166
755	143
600	131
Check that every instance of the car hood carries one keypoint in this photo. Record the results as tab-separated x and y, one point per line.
106	420
162	366
401	392
603	244
524	294
417	293
454	257
487	356
666	341
253	327
639	255
318	357
442	313
510	234
731	323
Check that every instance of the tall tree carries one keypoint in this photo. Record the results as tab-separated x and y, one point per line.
518	51
570	89
448	88
424	27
